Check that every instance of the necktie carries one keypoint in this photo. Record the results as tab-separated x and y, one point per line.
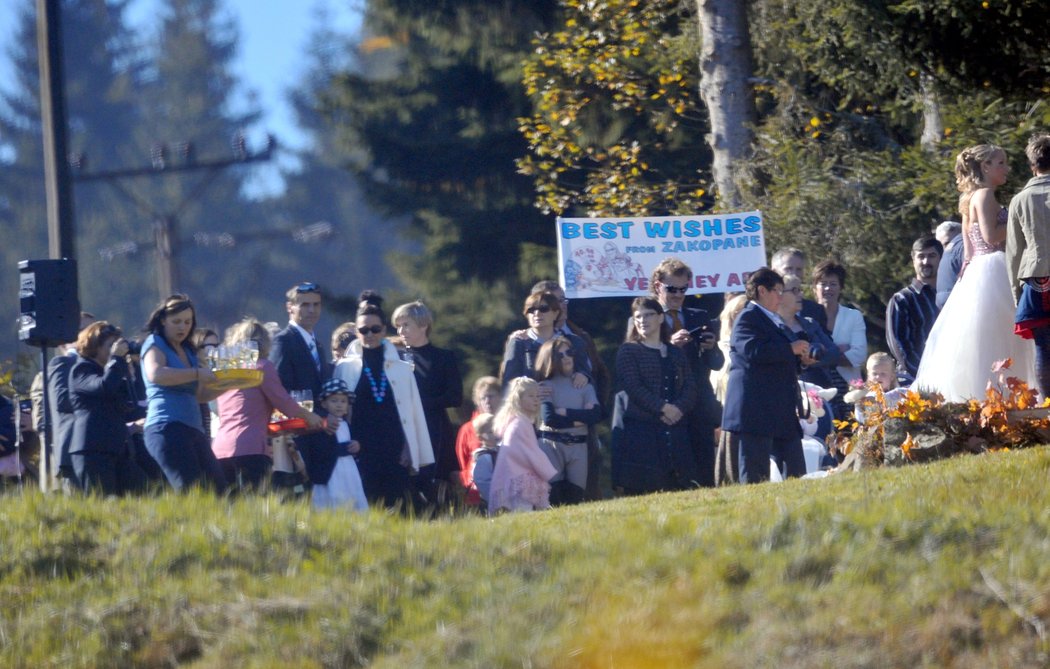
676	322
313	352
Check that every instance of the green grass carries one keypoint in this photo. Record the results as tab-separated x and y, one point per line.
938	565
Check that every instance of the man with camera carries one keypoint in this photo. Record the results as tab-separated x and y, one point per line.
693	331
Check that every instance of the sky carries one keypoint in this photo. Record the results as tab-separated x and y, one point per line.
274	36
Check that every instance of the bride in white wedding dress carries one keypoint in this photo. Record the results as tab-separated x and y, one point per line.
976	326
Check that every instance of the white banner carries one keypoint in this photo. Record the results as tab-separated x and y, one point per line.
609	257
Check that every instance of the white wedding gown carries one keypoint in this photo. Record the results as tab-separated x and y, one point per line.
974	330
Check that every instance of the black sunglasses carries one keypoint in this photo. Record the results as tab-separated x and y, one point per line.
371	329
543	308
675	289
307	287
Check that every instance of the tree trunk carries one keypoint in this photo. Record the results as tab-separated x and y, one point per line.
725	75
932	126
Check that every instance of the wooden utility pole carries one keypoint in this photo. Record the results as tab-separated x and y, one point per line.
59	187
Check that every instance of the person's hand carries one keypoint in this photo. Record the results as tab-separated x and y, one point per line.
331	424
671	414
520	335
313	421
807	361
681	338
206	376
707	341
354	447
119	348
579	379
800	347
561	411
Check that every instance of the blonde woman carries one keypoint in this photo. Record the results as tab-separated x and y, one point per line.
975	327
240	442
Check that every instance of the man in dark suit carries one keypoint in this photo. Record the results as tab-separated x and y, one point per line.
301	362
694	332
299	357
762	394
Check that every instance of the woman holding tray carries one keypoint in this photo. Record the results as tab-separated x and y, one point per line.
240	443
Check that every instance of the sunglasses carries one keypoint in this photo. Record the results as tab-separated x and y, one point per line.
307	287
675	289
371	329
543	309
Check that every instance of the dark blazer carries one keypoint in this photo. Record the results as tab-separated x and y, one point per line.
60	408
291	355
811	309
707	409
100	403
762	394
638	373
320	452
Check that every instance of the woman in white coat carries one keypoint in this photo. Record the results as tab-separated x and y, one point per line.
388	418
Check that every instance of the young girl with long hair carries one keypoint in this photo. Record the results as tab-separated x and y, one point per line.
566	412
520	481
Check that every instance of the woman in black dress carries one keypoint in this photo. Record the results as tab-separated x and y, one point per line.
440	389
650	444
388	419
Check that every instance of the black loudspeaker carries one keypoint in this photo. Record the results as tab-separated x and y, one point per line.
50	308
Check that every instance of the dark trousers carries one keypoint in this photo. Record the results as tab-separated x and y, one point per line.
107	473
1041	336
246	472
756	449
702	440
184	455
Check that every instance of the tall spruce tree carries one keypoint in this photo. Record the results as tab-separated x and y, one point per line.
430	116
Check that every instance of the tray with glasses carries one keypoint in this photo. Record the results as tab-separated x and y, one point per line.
236	379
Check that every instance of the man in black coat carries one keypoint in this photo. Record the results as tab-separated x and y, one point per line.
695	333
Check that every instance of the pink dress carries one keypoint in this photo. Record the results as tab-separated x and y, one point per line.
520	479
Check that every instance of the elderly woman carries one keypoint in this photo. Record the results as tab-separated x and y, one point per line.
240	443
176	384
519	358
440	388
98	390
388	418
845	324
824	352
650	448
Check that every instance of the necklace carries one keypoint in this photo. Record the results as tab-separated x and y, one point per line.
378	391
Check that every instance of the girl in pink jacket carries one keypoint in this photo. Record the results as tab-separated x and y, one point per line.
520	481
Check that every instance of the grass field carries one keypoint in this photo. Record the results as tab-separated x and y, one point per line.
944	565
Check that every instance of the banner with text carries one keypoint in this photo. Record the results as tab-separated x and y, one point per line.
609	257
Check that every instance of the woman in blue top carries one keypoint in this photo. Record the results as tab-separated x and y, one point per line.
176	384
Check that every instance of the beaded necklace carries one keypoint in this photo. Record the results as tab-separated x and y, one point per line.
378	391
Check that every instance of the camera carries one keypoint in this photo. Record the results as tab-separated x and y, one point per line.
701	334
816	351
134	347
